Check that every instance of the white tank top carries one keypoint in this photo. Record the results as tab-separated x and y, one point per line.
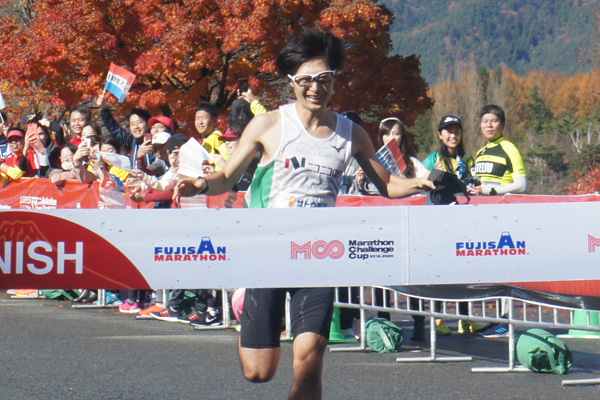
305	171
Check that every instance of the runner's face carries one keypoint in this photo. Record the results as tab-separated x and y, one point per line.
491	127
315	95
204	123
77	121
451	136
395	133
138	126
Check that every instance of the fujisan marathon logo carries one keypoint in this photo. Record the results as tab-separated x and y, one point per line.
205	251
505	246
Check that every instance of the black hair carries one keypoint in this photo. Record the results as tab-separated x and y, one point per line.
140	112
312	44
445	154
71	146
47	132
209	108
493	109
110	141
353	116
95	128
85	111
407	144
240	115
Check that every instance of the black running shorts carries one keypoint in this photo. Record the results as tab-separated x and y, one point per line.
264	309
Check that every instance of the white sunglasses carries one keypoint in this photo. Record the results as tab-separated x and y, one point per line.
304	80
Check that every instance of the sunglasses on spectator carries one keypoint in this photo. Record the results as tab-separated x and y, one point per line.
322	78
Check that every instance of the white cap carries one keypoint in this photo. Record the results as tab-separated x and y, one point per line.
161	138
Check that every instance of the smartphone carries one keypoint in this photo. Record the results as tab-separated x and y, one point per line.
243	85
148	136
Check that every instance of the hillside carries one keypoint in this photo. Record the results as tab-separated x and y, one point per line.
523	34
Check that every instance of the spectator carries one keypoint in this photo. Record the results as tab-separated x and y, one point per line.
304	128
393	128
79	117
141	153
4	147
162	123
66	171
451	157
22	161
208	134
499	164
91	129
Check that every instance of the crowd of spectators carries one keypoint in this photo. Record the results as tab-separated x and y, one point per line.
141	160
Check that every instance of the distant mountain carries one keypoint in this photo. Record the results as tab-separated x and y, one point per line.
523	34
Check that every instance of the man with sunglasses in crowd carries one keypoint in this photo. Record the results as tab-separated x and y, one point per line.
305	129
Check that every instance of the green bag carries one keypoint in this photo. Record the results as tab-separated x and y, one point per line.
59	294
540	351
383	336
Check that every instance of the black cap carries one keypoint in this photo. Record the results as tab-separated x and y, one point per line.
449	120
176	141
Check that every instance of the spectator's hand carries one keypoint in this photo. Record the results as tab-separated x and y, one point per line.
475	190
360	175
138	197
145	148
423	183
248	95
101	102
186	188
439	165
82	151
136	173
67	132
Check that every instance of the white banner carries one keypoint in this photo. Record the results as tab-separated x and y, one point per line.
299	247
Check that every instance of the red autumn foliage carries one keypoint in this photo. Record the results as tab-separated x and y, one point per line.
183	52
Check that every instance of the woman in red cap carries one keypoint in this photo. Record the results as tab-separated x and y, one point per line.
22	162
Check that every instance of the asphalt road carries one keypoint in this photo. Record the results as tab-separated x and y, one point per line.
50	351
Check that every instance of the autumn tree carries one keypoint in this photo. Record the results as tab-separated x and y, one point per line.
183	52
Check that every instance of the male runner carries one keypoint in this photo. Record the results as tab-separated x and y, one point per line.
305	149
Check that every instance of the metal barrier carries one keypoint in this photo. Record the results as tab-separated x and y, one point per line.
520	313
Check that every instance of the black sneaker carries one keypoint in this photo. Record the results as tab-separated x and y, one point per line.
209	319
496	331
192	316
168	314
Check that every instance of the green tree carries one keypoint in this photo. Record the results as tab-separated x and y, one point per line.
538	116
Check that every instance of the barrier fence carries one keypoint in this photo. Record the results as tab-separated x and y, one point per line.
39	194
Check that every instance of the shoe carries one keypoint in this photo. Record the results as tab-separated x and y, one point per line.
129	307
26	292
151	309
441	328
350	334
193	316
470	327
496	331
209	319
168	314
418	331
